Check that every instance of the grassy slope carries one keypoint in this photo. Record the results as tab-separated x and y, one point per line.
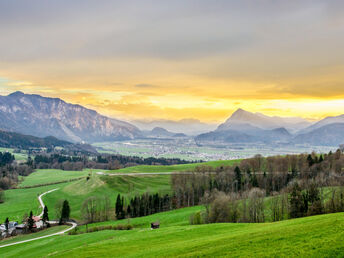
21	201
317	236
76	192
173	168
178	217
46	176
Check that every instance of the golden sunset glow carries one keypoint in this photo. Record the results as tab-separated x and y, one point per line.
139	61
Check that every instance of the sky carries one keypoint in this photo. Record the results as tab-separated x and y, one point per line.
177	59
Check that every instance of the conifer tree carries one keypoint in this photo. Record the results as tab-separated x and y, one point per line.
65	212
45	216
6	224
30	221
238	176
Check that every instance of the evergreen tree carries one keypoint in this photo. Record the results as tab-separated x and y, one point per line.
30	221
310	160
120	214
118	204
65	212
254	181
7	224
45	216
238	176
321	159
129	211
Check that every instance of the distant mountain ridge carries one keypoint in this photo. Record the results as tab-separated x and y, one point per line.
262	121
40	116
185	126
162	132
247	127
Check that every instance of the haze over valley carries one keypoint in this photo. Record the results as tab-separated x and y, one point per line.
242	135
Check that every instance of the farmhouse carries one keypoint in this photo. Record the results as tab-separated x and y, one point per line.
38	222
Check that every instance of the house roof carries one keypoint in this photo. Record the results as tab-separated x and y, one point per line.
36	218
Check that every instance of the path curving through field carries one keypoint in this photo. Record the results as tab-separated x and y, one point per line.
41	201
73	224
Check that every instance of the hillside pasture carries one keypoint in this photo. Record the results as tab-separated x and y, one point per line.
173	168
316	236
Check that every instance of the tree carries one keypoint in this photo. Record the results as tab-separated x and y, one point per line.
310	160
30	221
297	203
321	158
2	196
238	176
90	209
256	205
119	207
6	224
65	212
45	216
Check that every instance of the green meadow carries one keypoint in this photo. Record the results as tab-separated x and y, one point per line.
48	176
173	168
21	201
317	236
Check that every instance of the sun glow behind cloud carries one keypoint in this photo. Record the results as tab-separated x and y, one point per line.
138	59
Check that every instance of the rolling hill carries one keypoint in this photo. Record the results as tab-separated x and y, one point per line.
317	236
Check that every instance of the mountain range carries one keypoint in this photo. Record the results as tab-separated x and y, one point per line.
31	114
40	116
159	132
247	127
186	126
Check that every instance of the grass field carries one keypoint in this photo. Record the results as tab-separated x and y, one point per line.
21	201
173	168
179	217
317	236
46	176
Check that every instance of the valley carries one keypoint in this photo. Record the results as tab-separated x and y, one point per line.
188	149
171	128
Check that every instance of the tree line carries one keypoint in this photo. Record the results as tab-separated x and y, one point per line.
271	174
293	183
105	161
98	208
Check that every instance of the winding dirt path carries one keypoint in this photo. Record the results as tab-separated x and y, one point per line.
51	222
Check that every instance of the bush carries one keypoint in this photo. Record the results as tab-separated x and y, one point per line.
196	218
100	228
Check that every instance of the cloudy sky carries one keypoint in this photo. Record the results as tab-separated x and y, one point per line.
177	59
